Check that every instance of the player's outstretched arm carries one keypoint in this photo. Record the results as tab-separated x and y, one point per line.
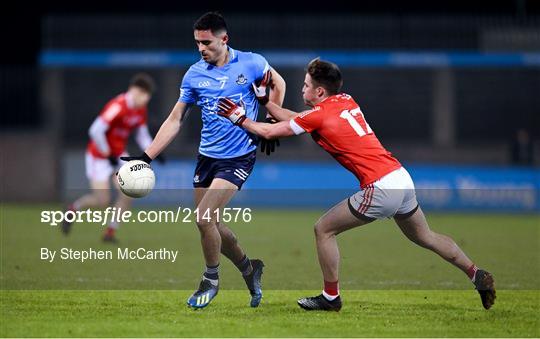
268	131
237	115
97	133
167	132
280	113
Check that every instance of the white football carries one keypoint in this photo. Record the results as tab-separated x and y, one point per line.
136	178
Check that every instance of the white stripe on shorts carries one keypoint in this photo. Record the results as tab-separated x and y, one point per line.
240	175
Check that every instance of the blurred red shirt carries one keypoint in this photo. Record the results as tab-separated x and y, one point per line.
122	119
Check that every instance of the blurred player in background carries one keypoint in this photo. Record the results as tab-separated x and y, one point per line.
226	153
109	133
337	124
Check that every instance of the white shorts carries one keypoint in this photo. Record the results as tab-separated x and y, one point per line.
100	169
391	196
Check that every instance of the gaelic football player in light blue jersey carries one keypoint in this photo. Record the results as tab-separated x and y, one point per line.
226	152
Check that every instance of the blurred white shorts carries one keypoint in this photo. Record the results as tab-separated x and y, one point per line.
391	196
100	169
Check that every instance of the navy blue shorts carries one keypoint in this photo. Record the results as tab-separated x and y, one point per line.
235	170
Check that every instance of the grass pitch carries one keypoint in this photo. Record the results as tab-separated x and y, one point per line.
372	313
390	287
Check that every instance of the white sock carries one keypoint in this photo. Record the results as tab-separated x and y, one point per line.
328	296
212	281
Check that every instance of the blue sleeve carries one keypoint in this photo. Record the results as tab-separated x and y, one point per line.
260	65
187	94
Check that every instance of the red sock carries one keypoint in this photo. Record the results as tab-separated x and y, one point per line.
331	288
471	271
110	231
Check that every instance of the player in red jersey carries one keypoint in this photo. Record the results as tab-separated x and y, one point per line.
109	133
337	124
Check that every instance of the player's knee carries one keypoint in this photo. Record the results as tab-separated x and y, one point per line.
320	228
424	239
205	225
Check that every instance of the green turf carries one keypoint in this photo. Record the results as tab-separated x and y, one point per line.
375	256
365	313
391	286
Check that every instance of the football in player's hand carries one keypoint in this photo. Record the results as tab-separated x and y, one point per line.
136	178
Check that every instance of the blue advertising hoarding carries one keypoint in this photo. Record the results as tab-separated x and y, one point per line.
322	184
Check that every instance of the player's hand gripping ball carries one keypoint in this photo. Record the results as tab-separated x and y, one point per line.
136	178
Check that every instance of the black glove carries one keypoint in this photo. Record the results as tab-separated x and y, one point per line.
113	161
144	157
161	158
269	145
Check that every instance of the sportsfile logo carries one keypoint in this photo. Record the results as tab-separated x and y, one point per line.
119	215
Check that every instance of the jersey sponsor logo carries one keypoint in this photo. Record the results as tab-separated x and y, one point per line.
204	83
210	103
241	80
132	120
120	132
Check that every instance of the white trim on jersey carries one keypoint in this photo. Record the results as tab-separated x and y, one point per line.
266	68
296	128
111	112
97	133
143	137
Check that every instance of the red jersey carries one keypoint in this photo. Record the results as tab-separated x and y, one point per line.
122	120
338	125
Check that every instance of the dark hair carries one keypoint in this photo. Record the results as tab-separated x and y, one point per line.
212	21
144	82
326	75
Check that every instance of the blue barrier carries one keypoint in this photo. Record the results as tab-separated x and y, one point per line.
292	58
320	185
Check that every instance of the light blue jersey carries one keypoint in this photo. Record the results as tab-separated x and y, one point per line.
204	84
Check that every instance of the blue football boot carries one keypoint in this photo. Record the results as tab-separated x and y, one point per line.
253	282
204	295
